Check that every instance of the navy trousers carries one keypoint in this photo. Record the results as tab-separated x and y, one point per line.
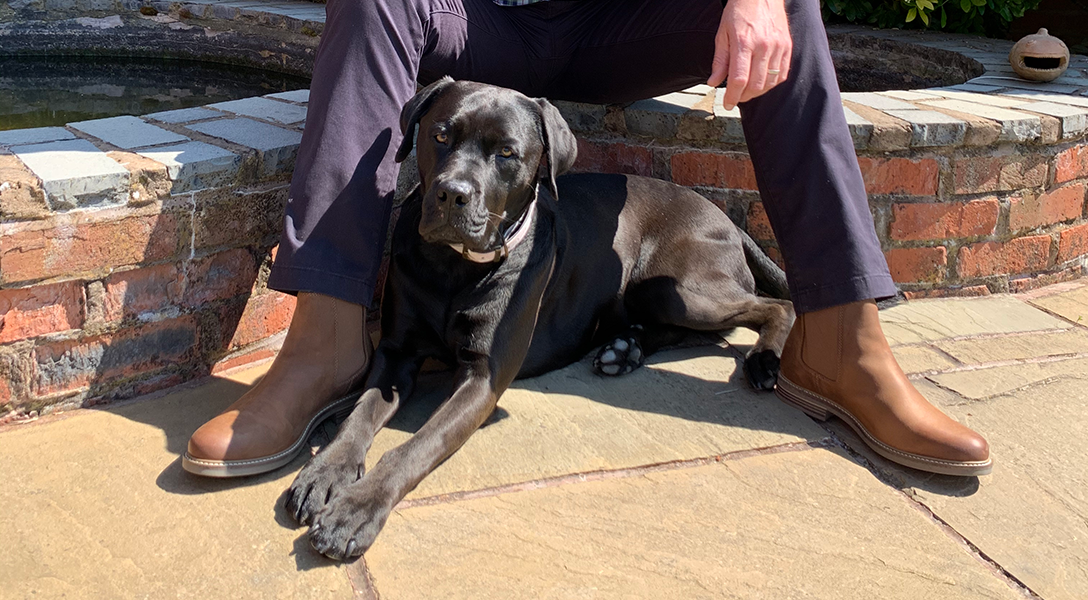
373	52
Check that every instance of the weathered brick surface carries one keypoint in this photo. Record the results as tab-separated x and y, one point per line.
21	196
908	265
938	221
1025	284
50	249
130	293
971	291
1073	243
1063	204
1071	164
1020	255
759	226
978	174
904	176
30	312
264	316
220	276
731	170
613	157
225	218
95	362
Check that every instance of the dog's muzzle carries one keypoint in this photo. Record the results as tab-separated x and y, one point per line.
513	236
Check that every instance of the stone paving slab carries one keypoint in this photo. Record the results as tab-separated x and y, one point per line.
685	404
195	165
184	115
292	96
263	108
1031	515
37	135
1015	126
276	145
127	132
1071	305
75	173
1017	347
931	320
96	506
808	524
1074	120
979	385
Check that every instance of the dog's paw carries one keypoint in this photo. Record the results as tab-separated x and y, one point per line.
621	356
761	369
348	524
319	480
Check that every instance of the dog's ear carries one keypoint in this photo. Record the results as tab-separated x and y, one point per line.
414	110
560	147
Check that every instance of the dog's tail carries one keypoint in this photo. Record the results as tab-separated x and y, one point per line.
770	279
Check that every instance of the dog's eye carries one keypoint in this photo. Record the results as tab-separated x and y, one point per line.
506	152
442	138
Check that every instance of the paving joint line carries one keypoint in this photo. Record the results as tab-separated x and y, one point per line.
981	556
361	580
607	474
1077	324
1037	360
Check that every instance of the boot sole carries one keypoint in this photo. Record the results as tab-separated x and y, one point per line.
255	466
821	408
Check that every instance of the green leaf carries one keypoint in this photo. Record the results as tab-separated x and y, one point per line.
944	18
911	14
965	5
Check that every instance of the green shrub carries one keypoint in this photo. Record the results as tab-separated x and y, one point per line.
987	17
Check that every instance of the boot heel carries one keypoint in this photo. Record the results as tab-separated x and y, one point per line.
786	391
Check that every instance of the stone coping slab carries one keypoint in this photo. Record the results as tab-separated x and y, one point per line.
128	132
75	173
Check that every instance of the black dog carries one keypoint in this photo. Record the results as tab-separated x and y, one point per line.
503	271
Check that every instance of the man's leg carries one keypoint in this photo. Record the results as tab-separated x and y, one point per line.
812	188
338	210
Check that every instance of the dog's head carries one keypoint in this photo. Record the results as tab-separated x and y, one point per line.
482	151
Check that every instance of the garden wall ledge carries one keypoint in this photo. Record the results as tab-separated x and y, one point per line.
134	250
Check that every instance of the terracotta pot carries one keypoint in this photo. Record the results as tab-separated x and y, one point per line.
1039	57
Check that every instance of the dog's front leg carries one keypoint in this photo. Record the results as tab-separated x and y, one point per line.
342	462
352	518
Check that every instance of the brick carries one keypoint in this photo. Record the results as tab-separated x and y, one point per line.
730	170
97	361
21	196
1071	164
997	173
51	249
30	312
914	265
605	157
759	226
1073	243
221	276
264	316
148	179
1026	284
1021	255
941	221
900	175
128	294
1063	204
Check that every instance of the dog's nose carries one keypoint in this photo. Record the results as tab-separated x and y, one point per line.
457	191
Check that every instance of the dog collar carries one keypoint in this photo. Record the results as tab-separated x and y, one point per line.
513	236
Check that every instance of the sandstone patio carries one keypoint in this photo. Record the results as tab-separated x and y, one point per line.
677	481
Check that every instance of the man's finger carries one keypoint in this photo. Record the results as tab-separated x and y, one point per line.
757	79
740	65
720	67
787	58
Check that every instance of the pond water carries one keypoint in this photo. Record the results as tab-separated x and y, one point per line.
54	90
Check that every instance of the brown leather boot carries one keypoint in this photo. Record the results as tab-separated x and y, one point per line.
318	372
837	362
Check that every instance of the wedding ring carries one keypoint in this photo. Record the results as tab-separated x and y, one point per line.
772	71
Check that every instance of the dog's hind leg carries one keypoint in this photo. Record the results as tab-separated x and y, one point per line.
629	349
715	308
342	462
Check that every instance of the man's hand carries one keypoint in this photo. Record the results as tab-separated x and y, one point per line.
753	48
